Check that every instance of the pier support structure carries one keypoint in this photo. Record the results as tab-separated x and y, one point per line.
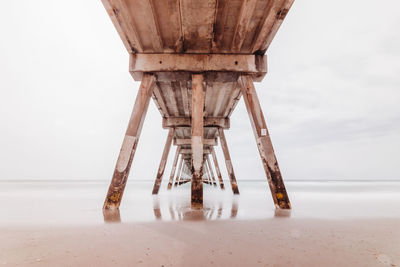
121	172
228	162
197	140
264	143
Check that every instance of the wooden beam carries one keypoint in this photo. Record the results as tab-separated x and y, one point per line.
197	140
208	142
121	172
245	64
273	20
121	18
189	151
217	170
163	162
228	161
185	98
154	29
187	122
264	144
246	13
173	170
210	170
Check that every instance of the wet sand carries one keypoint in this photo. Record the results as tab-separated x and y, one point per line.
332	224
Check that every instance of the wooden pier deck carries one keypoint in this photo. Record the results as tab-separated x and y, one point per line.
196	59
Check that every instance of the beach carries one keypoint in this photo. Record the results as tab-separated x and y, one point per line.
331	224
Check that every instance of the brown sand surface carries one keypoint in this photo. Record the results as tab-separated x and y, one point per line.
279	241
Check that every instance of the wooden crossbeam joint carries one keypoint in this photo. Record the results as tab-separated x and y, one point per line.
220	122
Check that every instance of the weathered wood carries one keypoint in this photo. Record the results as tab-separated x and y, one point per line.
217	170
207	142
163	162
274	17
173	170
244	19
154	28
122	20
197	140
264	144
121	172
228	161
190	151
246	64
211	170
187	122
178	175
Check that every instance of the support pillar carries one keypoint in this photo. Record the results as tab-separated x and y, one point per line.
171	177
121	172
211	170
178	175
217	170
163	162
264	144
228	161
197	140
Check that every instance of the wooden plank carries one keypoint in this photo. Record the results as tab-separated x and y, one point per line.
217	170
273	20
163	162
171	100
235	97
121	18
197	19
185	99
197	140
210	170
264	144
244	19
246	64
154	28
187	122
160	102
173	170
228	161
121	172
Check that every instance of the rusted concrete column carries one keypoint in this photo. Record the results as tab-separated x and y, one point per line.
178	175
197	140
228	161
173	170
217	170
121	172
163	162
211	170
264	143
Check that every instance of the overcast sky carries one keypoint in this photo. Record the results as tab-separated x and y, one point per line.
331	98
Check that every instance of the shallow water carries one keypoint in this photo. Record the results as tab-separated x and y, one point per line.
80	202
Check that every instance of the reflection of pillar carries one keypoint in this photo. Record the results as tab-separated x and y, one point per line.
197	140
163	162
173	170
121	172
111	215
264	143
228	161
217	170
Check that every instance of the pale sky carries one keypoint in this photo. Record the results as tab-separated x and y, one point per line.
331	98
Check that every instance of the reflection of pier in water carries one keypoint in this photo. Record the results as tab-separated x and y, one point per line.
196	60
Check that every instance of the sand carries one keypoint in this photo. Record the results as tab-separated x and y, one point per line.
273	242
40	227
